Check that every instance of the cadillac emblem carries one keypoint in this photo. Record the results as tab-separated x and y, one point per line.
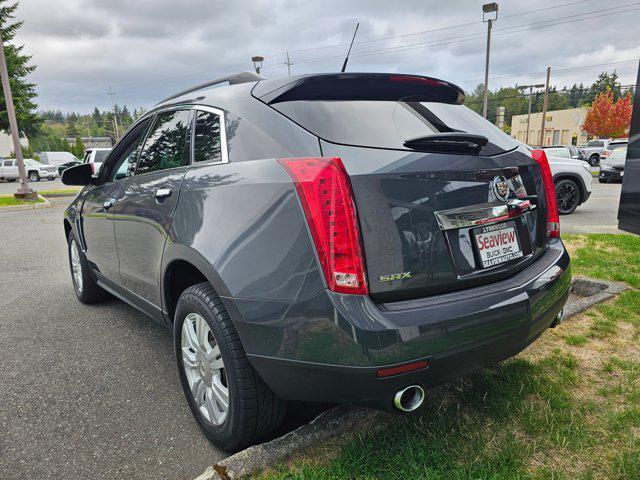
500	188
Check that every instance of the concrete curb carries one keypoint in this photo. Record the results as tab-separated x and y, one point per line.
333	423
594	291
34	206
344	419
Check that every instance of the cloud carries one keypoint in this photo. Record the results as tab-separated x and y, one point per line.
148	49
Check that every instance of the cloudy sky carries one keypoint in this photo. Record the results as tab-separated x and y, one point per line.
147	49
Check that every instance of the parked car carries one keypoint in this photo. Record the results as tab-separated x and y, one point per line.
596	150
34	170
56	158
328	238
572	180
564	151
96	156
613	167
64	166
615	144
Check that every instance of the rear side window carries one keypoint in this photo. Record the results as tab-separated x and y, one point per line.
595	143
167	145
388	124
8	163
207	138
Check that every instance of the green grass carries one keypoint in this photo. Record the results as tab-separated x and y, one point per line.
10	201
60	191
567	408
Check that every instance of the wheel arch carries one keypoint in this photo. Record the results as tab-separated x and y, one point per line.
575	178
182	271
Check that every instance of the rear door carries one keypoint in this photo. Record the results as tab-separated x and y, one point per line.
10	169
143	214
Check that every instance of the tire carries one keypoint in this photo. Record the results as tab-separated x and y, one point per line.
253	410
567	196
602	180
594	160
11	180
34	177
84	284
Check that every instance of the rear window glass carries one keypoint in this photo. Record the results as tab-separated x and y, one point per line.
558	152
595	144
100	156
386	124
613	146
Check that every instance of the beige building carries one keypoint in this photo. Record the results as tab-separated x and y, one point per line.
562	127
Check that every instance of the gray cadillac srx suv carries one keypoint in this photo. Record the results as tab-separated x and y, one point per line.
351	237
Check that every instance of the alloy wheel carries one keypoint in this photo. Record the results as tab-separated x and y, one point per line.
567	197
76	265
204	369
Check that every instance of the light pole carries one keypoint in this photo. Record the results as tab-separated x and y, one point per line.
489	15
257	63
530	87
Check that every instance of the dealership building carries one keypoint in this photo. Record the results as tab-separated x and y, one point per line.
562	127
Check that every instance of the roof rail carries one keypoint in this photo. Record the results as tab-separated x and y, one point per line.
242	77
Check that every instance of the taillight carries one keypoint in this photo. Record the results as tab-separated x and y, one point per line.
325	193
553	220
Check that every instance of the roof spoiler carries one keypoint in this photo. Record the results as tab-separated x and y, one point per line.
236	78
360	86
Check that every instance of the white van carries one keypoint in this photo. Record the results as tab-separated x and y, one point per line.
56	158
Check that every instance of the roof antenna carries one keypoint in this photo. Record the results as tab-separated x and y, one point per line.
344	66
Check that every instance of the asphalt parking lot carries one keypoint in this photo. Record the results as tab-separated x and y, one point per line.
85	392
10	187
599	214
92	391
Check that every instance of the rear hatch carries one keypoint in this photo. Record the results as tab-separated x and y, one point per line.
444	199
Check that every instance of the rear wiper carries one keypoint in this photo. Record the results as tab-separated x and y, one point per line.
458	142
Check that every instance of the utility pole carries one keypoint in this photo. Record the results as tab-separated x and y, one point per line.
544	107
530	87
288	63
116	131
23	191
486	9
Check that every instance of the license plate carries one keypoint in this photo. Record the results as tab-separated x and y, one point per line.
497	243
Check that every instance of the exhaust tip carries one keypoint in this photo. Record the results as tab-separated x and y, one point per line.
558	320
409	398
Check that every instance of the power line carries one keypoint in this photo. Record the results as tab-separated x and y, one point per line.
474	36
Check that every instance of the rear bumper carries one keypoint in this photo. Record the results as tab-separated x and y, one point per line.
330	348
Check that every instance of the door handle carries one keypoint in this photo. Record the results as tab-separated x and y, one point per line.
163	193
109	203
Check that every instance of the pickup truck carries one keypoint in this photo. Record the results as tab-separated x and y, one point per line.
35	170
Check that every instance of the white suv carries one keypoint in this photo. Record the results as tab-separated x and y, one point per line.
96	156
572	179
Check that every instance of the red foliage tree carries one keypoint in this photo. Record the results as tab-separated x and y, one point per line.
607	118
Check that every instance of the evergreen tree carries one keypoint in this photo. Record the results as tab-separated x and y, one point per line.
18	64
79	148
606	81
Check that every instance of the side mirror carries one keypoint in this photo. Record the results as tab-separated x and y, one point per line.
79	175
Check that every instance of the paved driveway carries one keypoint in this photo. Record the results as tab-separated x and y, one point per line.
11	187
599	214
85	392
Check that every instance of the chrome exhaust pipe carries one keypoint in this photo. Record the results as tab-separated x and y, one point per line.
409	398
558	320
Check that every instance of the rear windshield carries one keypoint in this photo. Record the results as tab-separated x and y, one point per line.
387	124
101	155
613	146
558	152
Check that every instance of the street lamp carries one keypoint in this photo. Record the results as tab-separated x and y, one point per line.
489	15
257	63
530	87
